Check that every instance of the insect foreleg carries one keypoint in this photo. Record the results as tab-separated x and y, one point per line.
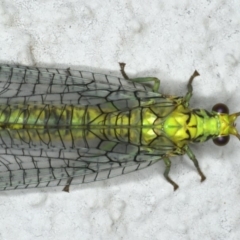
156	81
190	88
195	161
166	172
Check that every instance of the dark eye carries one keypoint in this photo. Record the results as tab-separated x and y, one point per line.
220	108
221	141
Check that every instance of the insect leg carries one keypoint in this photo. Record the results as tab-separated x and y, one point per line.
166	172
66	188
156	81
122	70
190	88
195	161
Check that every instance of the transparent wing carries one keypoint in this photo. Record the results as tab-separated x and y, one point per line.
24	85
50	157
107	80
32	168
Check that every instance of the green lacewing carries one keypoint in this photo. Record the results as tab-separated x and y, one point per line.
61	127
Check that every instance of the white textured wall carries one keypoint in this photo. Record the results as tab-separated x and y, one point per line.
166	39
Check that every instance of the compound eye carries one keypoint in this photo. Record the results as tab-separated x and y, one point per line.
221	141
220	108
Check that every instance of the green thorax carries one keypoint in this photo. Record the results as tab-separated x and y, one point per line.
185	125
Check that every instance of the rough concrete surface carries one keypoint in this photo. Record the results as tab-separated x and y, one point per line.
165	39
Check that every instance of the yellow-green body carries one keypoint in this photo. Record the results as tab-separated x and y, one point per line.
148	126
